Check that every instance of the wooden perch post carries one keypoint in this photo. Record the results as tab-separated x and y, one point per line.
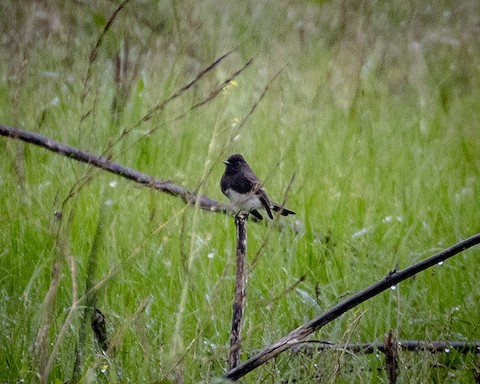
391	356
240	291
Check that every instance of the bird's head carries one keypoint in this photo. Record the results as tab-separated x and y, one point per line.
234	161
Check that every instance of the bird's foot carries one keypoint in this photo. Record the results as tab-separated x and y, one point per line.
241	215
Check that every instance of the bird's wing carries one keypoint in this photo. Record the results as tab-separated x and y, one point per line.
265	202
257	189
246	182
262	195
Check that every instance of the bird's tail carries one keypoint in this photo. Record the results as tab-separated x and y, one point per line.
282	210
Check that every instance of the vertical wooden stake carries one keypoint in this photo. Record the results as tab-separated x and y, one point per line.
240	291
391	357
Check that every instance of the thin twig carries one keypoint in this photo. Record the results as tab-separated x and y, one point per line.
254	106
299	334
214	93
95	49
161	105
285	292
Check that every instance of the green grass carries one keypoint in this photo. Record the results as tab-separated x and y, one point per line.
375	112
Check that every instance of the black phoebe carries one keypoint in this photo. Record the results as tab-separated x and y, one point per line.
240	184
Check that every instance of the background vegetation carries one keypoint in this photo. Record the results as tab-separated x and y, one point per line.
375	111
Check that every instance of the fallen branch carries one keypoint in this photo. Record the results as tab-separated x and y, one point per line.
298	335
391	348
187	196
310	347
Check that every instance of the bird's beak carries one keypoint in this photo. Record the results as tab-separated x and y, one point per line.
226	162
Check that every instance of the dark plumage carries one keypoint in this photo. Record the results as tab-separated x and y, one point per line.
240	184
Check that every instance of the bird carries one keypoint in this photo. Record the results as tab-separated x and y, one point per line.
240	184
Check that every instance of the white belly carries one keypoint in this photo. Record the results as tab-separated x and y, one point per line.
244	202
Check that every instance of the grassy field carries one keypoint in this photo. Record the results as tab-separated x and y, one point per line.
374	108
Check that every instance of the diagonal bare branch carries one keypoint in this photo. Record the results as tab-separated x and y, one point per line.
298	335
166	186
